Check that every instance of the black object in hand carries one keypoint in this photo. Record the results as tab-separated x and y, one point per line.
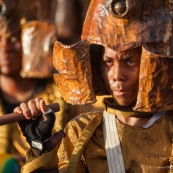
39	130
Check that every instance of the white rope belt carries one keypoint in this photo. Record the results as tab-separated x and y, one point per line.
112	144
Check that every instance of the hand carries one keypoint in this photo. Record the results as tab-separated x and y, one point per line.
32	109
39	124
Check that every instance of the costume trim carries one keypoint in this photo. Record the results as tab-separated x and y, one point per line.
81	143
45	161
113	108
112	144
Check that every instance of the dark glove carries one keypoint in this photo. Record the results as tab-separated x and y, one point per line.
38	131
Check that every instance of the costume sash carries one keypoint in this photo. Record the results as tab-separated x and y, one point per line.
81	144
112	144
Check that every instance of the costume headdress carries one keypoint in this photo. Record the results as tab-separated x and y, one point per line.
121	25
33	20
9	17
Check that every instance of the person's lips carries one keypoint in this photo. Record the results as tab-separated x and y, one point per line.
118	89
120	93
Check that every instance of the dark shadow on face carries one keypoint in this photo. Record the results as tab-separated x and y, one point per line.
96	52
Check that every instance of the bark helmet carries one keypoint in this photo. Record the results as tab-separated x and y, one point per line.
120	25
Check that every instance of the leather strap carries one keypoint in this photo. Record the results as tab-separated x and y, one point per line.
53	141
112	144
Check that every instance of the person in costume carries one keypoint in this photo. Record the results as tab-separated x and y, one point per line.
16	88
125	51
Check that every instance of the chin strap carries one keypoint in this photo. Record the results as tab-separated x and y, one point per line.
53	141
112	144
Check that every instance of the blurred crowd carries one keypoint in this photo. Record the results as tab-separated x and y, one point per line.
28	29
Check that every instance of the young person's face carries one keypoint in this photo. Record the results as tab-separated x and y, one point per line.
120	72
10	55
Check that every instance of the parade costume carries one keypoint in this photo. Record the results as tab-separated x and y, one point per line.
119	25
146	156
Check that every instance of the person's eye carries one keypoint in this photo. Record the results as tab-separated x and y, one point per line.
130	62
108	62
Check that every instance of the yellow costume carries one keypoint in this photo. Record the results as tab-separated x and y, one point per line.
12	140
84	135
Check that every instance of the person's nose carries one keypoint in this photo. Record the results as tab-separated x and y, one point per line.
118	72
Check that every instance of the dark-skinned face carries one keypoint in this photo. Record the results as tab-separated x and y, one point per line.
120	73
10	55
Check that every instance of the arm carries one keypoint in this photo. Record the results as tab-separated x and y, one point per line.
37	160
38	132
50	159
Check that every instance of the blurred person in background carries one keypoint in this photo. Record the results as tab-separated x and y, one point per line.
18	84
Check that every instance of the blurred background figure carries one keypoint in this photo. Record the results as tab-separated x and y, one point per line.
28	29
26	39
